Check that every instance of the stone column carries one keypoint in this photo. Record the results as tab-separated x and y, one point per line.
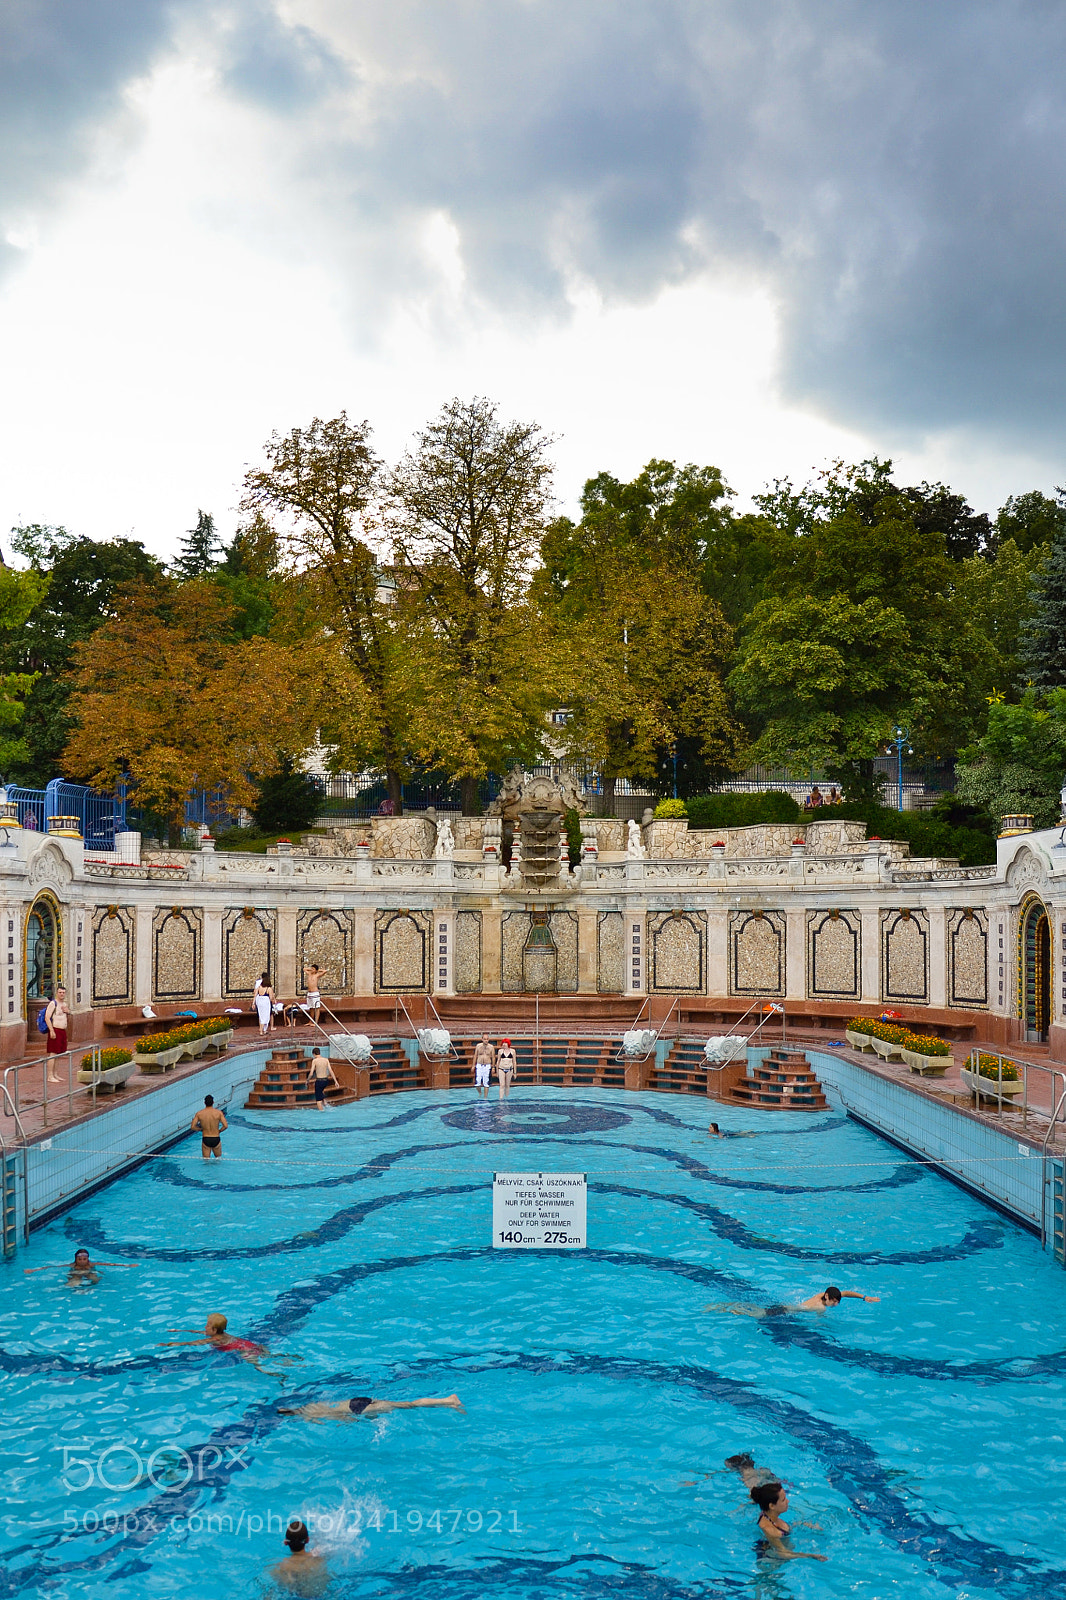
871	956
363	950
718	953
587	953
286	977
491	949
142	992
796	955
212	989
938	956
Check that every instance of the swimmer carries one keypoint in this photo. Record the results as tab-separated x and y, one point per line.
81	1271
215	1335
210	1123
484	1060
301	1571
715	1131
362	1406
772	1502
820	1303
320	1077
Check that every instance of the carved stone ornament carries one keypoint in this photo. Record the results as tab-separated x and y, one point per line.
50	865
1026	868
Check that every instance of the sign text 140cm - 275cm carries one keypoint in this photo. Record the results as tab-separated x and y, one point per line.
538	1211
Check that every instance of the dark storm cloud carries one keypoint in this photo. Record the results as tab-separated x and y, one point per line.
895	171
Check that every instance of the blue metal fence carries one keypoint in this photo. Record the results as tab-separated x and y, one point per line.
100	816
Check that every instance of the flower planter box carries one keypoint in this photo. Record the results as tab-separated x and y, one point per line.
989	1088
929	1066
111	1078
860	1041
218	1041
160	1062
887	1050
194	1047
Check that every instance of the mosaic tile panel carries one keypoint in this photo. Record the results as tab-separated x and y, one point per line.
468	952
610	952
177	954
248	943
113	956
967	958
905	956
540	967
834	953
516	925
563	925
757	953
678	951
402	940
324	939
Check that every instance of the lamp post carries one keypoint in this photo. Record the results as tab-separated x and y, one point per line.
899	738
673	752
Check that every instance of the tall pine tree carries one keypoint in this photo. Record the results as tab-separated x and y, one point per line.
201	549
1043	647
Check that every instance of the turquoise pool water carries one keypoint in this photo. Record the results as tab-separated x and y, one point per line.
922	1434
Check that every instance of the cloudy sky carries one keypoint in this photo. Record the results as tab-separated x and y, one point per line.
758	233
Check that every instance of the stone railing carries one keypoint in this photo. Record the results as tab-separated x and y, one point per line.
126	869
919	874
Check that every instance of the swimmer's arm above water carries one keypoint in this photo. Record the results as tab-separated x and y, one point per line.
853	1294
69	1266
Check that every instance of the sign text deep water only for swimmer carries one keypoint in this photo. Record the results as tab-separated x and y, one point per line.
538	1211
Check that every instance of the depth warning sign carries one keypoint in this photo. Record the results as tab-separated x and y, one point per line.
538	1211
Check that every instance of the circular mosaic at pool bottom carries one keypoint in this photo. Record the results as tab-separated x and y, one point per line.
563	1119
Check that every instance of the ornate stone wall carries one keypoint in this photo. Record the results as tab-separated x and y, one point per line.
324	939
402	949
905	956
677	952
248	945
515	932
468	952
967	958
834	955
403	838
113	954
757	953
177	954
563	925
610	952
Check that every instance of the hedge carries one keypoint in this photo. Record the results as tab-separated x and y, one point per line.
742	810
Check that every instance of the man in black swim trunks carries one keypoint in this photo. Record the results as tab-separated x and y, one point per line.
828	1300
210	1123
362	1406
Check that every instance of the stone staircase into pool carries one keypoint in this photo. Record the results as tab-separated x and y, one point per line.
783	1081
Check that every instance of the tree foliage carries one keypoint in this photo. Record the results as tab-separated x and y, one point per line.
1019	764
1043	633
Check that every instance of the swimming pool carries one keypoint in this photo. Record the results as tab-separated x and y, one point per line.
922	1434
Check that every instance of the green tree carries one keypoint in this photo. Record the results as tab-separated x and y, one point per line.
1043	642
1032	519
79	580
248	575
200	549
466	515
1020	762
20	593
993	601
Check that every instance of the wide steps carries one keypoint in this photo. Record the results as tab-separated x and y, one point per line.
283	1083
783	1081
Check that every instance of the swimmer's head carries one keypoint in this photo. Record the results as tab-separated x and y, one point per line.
831	1296
296	1535
209	1099
715	1128
81	1258
216	1323
768	1496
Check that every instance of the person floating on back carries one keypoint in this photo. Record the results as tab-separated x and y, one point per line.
362	1406
210	1123
772	1501
828	1300
301	1571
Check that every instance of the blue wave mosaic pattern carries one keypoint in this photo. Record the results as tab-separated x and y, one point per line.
601	1394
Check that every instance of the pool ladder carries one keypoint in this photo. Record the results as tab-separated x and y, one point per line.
9	1179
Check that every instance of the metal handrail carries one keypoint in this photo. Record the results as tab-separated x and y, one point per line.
41	1064
427	999
999	1079
319	1030
1055	1111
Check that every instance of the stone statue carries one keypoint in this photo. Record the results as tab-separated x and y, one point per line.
635	850
445	846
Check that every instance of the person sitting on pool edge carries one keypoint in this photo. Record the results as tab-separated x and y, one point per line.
361	1406
826	1301
772	1501
301	1570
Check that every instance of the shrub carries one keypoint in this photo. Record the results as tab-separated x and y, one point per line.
572	823
927	832
989	1067
671	808
924	1044
115	1057
742	810
154	1044
287	799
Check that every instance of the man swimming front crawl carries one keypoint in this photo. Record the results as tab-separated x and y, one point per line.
361	1406
826	1301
